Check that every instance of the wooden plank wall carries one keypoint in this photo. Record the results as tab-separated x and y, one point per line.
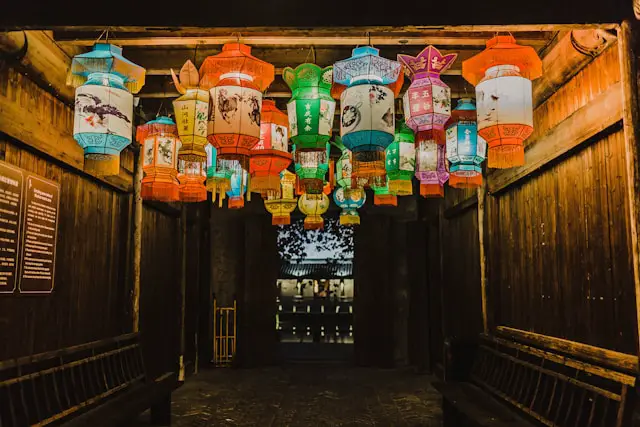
558	251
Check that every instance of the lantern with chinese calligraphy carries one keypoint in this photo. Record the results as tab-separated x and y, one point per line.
502	74
238	188
102	125
367	85
191	176
427	102
383	197
401	161
281	206
431	165
218	180
159	141
191	109
270	156
311	107
311	168
465	150
236	80
313	206
349	200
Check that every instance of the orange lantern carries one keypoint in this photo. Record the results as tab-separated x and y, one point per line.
270	156
159	141
502	74
192	176
236	80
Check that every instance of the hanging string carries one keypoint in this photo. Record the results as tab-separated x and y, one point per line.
306	59
313	50
369	37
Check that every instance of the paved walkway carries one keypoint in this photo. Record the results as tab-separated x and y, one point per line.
306	395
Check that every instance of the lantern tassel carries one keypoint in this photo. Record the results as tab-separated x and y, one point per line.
504	157
314	222
281	220
401	187
350	219
474	181
431	190
385	200
102	164
236	202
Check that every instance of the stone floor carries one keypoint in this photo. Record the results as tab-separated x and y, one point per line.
305	395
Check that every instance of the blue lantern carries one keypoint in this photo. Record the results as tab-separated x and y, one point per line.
466	150
104	105
238	189
367	85
349	200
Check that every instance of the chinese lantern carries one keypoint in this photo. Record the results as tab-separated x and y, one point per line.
465	150
383	197
311	107
281	206
191	176
313	206
191	110
401	161
218	181
367	85
238	188
427	102
502	75
349	200
271	155
344	171
431	167
311	168
102	124
236	80
159	142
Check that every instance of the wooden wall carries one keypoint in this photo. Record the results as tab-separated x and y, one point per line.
558	250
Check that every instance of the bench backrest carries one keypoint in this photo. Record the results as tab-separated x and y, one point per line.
49	387
552	388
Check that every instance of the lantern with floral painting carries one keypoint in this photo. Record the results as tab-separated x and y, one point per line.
271	155
281	206
191	109
401	161
313	206
502	75
427	102
236	80
367	85
383	197
218	180
192	176
431	165
465	150
344	170
102	125
349	200
238	188
311	169
159	141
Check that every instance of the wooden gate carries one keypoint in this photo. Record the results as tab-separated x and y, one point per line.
224	334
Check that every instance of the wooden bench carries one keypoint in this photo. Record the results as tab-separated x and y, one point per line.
103	383
502	381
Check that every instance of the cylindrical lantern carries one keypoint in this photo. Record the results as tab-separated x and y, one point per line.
236	80
192	111
367	85
271	155
238	189
218	180
383	197
311	107
427	102
431	167
401	161
344	172
102	124
281	207
191	176
313	206
502	74
349	200
311	168
465	150
159	141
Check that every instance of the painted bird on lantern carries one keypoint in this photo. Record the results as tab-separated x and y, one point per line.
92	106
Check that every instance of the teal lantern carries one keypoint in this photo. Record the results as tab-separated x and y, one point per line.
218	180
102	124
466	150
349	200
311	168
401	161
238	188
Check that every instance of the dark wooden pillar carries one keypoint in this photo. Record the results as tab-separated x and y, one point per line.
420	327
401	285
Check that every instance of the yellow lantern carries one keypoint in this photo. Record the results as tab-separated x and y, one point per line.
313	206
281	207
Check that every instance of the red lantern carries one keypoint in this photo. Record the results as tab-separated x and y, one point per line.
270	156
236	80
192	176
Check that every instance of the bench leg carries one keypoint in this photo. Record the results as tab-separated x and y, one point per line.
161	412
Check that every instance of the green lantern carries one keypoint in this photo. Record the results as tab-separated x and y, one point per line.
383	197
401	161
311	168
311	107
